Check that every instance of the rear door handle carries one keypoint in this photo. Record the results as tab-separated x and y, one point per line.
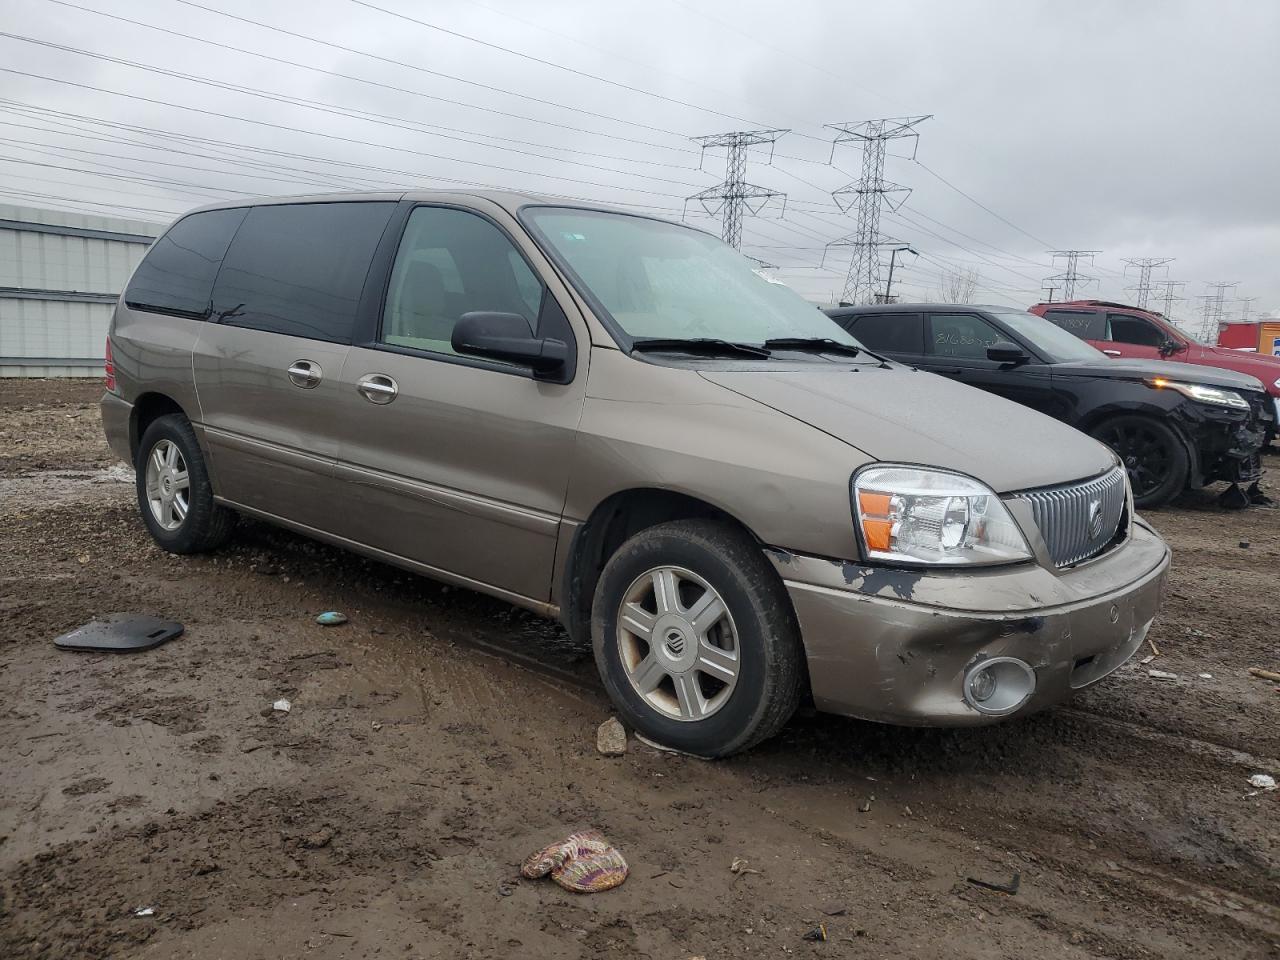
305	374
1112	353
377	388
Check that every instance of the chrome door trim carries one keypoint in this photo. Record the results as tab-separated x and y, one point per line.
378	388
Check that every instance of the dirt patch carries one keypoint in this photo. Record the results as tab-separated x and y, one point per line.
439	737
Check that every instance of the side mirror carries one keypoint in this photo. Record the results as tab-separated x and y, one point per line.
508	336
1002	351
1171	346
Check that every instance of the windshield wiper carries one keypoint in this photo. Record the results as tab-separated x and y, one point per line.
816	344
708	345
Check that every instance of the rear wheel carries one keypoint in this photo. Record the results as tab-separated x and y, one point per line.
175	496
1152	453
695	638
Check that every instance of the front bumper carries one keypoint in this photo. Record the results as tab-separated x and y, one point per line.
894	645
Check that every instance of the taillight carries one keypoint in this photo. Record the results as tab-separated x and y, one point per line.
109	368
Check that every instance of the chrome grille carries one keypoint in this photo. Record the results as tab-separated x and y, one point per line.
1063	515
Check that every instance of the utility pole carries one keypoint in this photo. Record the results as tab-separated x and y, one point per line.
867	194
1071	275
1142	290
1052	290
1168	296
893	256
730	197
1215	309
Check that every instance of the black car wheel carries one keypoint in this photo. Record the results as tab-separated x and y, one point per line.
1152	453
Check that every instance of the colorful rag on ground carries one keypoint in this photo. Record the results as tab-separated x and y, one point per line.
582	862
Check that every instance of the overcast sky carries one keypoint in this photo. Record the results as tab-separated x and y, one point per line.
1139	129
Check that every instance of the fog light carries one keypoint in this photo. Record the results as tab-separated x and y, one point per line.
999	685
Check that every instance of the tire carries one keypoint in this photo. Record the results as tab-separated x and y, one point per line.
202	524
757	637
1152	452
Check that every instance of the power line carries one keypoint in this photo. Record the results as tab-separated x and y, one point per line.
352	113
729	198
546	63
869	193
398	89
978	203
448	76
328	136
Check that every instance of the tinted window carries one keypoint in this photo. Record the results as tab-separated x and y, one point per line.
451	262
176	275
1127	329
1085	324
961	335
298	269
890	332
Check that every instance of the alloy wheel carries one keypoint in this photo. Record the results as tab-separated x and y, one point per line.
168	485
1145	454
678	643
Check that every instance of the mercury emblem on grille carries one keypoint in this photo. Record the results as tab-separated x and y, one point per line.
1095	518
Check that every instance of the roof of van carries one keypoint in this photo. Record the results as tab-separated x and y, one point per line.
917	307
508	199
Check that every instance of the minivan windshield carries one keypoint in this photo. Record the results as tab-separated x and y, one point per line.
1054	343
661	280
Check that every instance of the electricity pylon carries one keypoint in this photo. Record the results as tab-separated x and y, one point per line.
731	196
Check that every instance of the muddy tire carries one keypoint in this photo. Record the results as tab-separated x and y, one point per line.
696	640
175	496
1153	454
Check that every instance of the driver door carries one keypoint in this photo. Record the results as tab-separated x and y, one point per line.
1133	337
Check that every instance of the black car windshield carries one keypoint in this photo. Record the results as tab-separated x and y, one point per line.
662	280
1054	343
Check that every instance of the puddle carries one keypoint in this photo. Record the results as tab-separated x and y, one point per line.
51	488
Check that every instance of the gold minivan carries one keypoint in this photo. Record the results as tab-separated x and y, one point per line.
615	420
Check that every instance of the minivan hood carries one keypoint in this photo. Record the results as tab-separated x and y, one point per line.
1170	370
907	416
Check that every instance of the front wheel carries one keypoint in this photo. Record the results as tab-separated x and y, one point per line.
175	496
1152	453
695	638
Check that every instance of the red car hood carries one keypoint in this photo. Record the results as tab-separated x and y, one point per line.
1265	368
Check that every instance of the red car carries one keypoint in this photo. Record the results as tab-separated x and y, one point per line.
1123	331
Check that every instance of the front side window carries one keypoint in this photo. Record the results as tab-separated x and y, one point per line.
1086	324
450	263
1135	330
1050	341
961	336
890	332
176	276
299	269
660	280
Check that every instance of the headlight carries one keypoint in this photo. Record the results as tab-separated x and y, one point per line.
1198	391
922	515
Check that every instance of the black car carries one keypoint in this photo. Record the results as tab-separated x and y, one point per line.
1175	425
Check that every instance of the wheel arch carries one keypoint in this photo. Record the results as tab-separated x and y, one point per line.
614	520
1097	418
148	408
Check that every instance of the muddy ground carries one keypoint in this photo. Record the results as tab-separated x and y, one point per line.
439	737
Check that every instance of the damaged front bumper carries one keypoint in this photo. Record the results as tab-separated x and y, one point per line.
1227	444
905	646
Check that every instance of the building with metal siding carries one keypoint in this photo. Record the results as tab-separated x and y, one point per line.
60	275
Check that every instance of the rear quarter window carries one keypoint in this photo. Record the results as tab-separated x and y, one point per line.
176	276
1085	324
299	269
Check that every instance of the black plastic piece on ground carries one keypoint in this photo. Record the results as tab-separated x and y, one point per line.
1233	498
1257	497
1011	888
120	633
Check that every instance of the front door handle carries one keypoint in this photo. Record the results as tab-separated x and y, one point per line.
1112	353
305	374
377	388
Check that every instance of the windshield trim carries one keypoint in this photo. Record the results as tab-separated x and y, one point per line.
625	341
